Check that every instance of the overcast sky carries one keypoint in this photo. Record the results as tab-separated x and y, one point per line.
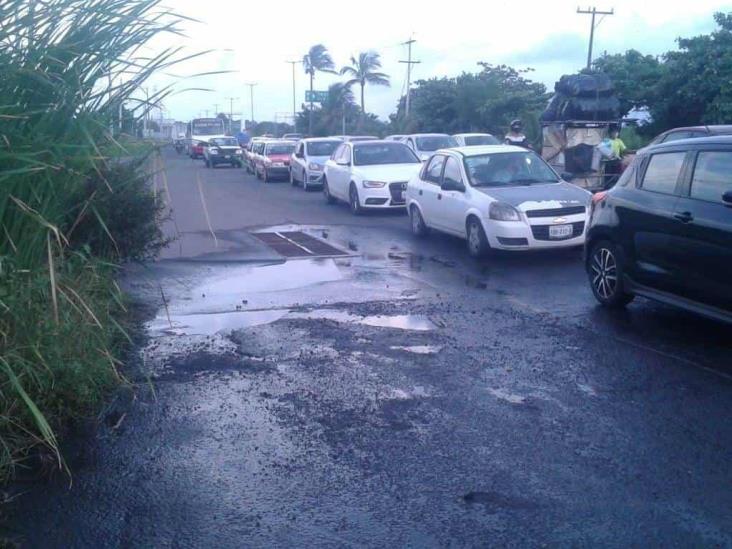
256	39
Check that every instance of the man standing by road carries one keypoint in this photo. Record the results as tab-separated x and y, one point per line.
516	136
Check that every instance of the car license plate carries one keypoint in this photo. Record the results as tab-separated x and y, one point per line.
560	231
227	157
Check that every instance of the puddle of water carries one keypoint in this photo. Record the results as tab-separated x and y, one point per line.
404	322
271	278
213	323
418	349
508	397
207	324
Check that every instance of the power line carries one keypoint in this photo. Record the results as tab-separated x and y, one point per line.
409	63
593	12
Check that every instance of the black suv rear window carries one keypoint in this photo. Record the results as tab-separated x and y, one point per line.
663	172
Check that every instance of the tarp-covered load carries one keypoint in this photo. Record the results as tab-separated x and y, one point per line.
583	97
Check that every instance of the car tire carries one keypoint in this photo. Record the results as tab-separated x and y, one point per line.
419	228
353	200
478	245
605	272
329	199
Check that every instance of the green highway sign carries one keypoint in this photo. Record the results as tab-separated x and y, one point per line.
316	96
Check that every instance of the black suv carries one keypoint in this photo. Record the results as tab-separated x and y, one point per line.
665	230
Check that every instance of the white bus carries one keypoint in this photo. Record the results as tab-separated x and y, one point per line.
201	130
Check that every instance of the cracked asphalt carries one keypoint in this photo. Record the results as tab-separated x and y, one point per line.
398	395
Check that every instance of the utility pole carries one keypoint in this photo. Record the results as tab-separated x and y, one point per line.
216	109
294	95
251	98
231	112
593	12
409	63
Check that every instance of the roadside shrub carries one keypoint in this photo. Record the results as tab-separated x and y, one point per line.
126	218
74	202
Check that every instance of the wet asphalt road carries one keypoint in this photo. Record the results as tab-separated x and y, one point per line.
401	394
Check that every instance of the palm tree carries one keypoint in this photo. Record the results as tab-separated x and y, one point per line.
339	103
364	70
316	59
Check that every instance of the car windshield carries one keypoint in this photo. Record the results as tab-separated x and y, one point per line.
432	143
280	149
225	142
362	138
383	153
322	148
508	170
472	140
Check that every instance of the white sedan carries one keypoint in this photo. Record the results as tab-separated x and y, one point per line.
425	144
497	197
369	174
308	160
475	139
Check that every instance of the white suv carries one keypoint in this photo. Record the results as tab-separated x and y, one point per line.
369	174
497	197
308	161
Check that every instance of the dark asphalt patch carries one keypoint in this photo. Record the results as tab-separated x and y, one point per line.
298	244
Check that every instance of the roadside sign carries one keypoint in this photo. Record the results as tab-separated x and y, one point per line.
316	96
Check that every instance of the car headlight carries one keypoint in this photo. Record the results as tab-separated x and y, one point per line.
373	184
238	151
213	151
500	211
315	167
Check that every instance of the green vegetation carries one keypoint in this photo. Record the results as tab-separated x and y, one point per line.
687	87
363	70
74	203
483	101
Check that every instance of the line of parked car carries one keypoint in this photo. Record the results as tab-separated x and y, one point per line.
663	232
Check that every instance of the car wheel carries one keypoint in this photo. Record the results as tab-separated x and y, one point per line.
354	201
477	241
605	271
419	228
326	192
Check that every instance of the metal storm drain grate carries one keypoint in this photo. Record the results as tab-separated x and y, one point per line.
298	244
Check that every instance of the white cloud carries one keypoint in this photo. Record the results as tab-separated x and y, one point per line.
254	41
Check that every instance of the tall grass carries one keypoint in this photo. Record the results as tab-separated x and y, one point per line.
69	212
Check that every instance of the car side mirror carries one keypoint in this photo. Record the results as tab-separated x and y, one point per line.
727	199
449	185
343	163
